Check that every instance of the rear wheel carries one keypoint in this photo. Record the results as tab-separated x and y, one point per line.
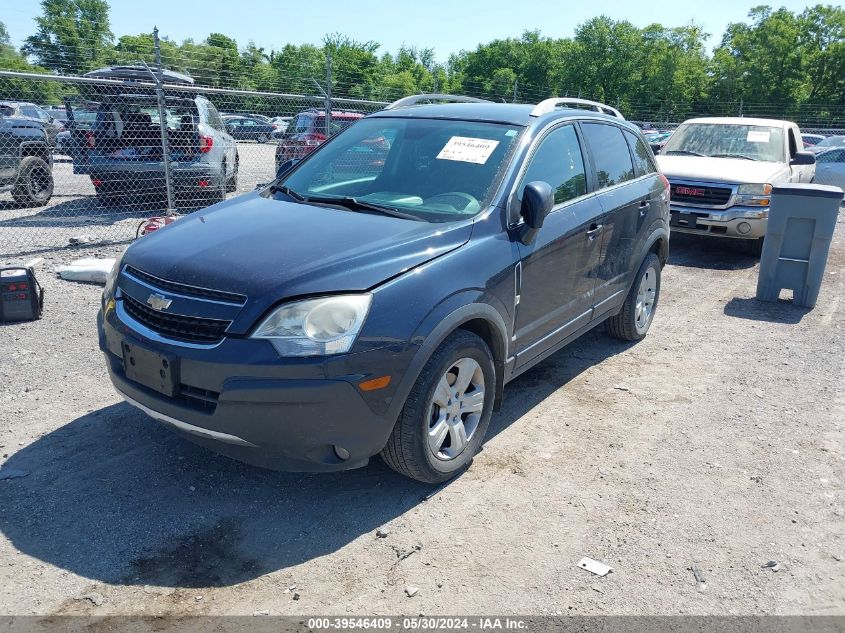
635	317
34	186
446	415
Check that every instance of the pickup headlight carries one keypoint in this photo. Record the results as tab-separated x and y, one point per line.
754	195
315	327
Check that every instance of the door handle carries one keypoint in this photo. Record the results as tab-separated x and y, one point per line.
644	206
595	229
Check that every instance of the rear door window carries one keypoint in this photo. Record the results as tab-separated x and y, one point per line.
610	154
643	162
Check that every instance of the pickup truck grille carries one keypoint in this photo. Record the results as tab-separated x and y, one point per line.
700	194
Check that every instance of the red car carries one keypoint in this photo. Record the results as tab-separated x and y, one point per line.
307	131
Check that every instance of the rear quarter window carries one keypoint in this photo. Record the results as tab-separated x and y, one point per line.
643	161
610	154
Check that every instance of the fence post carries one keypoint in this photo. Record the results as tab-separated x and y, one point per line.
162	121
515	88
328	94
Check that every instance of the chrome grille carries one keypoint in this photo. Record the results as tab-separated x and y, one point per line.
185	289
700	194
176	326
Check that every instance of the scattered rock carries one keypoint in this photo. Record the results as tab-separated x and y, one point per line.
12	473
76	240
411	591
94	598
382	532
198	598
296	595
757	479
262	612
621	387
837	557
597	588
770	564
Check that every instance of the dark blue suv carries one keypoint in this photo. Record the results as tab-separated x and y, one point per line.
378	295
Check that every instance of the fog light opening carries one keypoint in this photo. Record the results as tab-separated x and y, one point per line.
341	452
743	227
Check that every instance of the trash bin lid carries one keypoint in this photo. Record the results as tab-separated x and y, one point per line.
810	190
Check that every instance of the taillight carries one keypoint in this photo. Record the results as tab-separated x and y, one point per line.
206	143
90	141
665	181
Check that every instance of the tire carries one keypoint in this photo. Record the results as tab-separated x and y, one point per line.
410	450
755	247
634	319
34	186
232	183
263	138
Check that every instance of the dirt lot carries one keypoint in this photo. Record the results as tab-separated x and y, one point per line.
717	441
73	210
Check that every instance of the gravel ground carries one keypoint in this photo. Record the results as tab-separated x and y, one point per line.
715	442
73	209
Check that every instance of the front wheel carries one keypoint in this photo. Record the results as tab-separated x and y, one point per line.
635	317
446	415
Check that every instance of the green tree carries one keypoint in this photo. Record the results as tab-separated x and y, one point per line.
73	36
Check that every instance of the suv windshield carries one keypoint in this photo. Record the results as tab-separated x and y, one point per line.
430	169
753	142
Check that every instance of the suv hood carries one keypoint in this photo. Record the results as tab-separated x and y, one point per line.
271	250
729	170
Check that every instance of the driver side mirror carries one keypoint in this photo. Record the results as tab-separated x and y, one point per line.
803	158
537	201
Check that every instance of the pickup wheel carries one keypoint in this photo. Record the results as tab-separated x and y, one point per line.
755	247
34	187
446	415
634	319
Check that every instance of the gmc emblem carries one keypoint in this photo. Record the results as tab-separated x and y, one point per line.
690	191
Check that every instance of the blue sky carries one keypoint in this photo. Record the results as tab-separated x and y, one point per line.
446	26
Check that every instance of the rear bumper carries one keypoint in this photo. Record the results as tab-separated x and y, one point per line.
736	222
256	413
127	179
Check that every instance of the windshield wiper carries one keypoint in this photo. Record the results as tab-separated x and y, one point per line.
288	192
355	204
683	151
733	156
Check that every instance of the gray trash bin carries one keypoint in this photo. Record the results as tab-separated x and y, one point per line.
802	218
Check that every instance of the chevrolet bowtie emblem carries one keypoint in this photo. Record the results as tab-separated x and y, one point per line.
158	302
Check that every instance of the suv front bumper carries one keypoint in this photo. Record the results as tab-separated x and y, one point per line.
736	221
266	413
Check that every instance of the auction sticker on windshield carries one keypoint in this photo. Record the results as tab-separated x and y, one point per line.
758	136
468	150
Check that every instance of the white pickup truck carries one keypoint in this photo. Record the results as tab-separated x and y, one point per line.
721	171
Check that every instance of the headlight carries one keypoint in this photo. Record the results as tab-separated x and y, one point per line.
754	194
315	327
111	279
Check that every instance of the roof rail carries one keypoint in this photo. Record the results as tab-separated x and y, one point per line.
549	105
432	97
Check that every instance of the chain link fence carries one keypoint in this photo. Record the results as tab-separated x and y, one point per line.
120	151
151	144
